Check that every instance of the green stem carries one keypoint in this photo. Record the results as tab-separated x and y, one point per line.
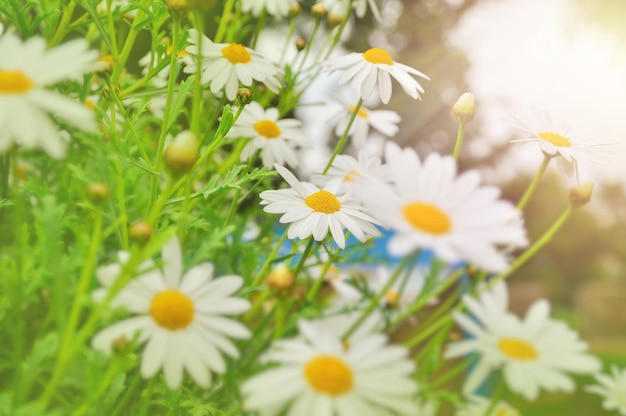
196	104
221	29
120	63
533	184
459	141
268	262
62	28
344	137
496	396
309	43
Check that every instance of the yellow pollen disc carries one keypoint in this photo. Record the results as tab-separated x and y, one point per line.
361	113
378	56
323	201
427	218
267	128
328	374
172	310
392	297
556	139
181	53
517	349
236	54
14	82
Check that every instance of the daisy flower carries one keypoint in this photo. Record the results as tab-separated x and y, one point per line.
276	8
374	68
351	170
478	406
314	211
276	138
179	317
318	376
612	388
384	121
339	7
430	207
226	65
25	69
556	139
533	353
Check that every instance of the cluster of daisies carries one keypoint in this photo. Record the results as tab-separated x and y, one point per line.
342	363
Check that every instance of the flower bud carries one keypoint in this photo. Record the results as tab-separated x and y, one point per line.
300	44
295	10
182	153
140	232
244	95
120	345
319	10
580	195
334	19
98	193
175	7
109	93
463	110
280	279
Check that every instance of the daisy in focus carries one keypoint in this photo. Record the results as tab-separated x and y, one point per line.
431	207
226	65
179	317
352	171
318	376
479	405
384	121
314	211
372	71
276	8
556	139
534	353
612	388
276	138
25	105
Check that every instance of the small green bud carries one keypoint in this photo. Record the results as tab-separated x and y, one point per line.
182	153
580	195
244	95
319	10
98	193
140	232
300	44
463	110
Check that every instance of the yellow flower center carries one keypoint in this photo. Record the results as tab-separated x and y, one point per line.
181	53
267	128
236	54
361	113
172	310
556	139
517	349
427	217
323	201
14	82
391	297
328	374
378	56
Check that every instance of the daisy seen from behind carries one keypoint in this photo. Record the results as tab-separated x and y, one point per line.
372	71
179	317
557	139
312	211
275	138
612	388
226	65
26	68
533	353
318	376
429	206
276	8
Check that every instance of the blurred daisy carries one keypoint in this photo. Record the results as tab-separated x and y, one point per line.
339	324
150	61
533	353
384	121
318	376
404	291
612	388
478	406
373	70
180	317
556	139
352	171
339	7
226	65
25	69
314	211
430	207
276	8
276	138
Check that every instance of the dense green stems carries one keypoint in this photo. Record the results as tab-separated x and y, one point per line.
221	29
312	293
259	27
120	63
407	261
112	370
268	262
433	384
307	48
340	29
292	29
63	25
459	141
496	396
197	101
533	184
344	137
